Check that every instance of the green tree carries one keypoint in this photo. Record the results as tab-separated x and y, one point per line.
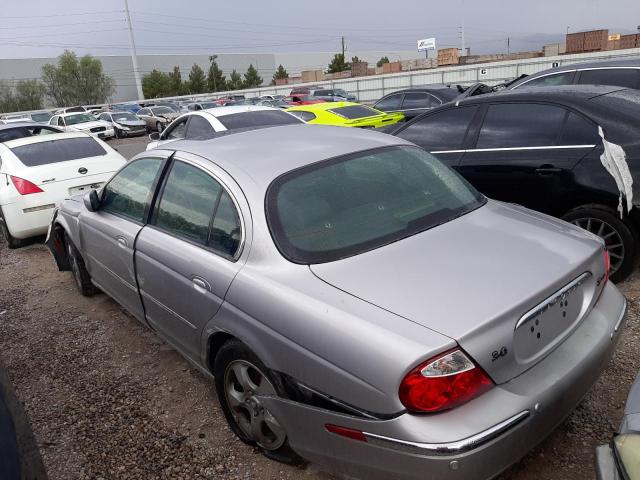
382	61
235	81
176	86
197	80
338	64
216	81
156	84
251	78
27	95
77	81
355	59
280	74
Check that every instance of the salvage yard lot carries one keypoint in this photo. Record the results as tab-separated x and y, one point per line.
109	399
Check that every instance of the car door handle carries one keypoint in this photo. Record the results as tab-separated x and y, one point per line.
122	241
201	284
548	170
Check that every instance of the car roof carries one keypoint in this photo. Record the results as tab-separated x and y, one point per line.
324	106
68	114
611	63
44	138
252	154
570	93
9	126
231	109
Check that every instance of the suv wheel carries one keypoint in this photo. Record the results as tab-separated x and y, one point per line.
79	271
617	235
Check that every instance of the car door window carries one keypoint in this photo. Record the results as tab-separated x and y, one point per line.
578	130
144	111
105	117
512	125
441	131
128	193
176	131
564	78
199	128
61	121
414	100
225	230
392	102
619	77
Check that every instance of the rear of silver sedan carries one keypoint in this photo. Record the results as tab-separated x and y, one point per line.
476	440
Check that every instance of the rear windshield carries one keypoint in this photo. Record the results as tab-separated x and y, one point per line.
41	117
260	118
351	204
355	111
55	151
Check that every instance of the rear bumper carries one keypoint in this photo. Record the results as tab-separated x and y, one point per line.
23	225
477	440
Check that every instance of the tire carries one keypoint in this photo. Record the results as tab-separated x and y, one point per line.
79	271
238	375
12	242
617	235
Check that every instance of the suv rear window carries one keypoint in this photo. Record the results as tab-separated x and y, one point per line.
56	151
355	111
260	118
355	203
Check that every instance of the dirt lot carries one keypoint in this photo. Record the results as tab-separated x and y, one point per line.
109	400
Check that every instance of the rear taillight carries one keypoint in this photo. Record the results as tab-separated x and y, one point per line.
24	187
607	265
443	382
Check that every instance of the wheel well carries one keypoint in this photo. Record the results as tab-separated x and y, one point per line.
59	251
215	343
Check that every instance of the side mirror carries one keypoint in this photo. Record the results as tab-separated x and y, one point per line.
154	137
92	201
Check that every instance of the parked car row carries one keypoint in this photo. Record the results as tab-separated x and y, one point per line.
362	300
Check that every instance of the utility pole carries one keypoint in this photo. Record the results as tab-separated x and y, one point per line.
342	47
134	56
508	45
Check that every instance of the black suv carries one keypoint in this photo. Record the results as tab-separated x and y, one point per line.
416	101
541	148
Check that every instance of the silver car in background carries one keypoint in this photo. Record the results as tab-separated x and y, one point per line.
358	303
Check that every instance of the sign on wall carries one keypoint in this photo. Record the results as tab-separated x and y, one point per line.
426	44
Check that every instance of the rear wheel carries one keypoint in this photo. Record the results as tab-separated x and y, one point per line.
617	235
79	271
11	241
240	379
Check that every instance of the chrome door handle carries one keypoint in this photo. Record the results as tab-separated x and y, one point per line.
122	241
201	284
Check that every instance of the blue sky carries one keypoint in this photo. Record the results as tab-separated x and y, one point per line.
42	28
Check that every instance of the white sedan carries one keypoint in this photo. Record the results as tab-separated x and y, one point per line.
38	172
83	122
206	123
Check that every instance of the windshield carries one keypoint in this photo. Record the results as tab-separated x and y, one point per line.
123	116
41	117
79	118
355	111
162	110
340	92
351	204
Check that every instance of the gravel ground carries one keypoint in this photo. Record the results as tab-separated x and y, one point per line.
109	400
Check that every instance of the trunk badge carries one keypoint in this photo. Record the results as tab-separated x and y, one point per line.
82	170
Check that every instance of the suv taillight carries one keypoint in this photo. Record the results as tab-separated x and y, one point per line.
443	382
24	187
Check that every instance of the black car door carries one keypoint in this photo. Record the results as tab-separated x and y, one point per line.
522	156
442	133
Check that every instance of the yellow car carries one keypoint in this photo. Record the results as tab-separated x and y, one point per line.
345	114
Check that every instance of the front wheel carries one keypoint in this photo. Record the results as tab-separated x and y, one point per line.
240	379
79	271
617	235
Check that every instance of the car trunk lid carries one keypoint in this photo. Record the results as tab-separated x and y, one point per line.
495	280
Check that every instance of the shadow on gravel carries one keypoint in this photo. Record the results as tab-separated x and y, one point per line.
19	455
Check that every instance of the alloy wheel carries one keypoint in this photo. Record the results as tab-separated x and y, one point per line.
243	382
612	239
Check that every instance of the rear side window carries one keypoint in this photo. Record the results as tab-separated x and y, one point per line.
354	111
618	77
129	192
511	125
260	118
579	131
418	100
304	115
565	78
56	151
392	102
199	128
441	131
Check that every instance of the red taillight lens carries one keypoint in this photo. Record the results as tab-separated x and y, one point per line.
443	382
24	187
607	265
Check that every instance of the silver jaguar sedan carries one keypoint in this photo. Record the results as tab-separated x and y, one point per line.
358	303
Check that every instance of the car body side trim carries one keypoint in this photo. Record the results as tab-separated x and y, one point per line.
545	147
449	448
146	296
